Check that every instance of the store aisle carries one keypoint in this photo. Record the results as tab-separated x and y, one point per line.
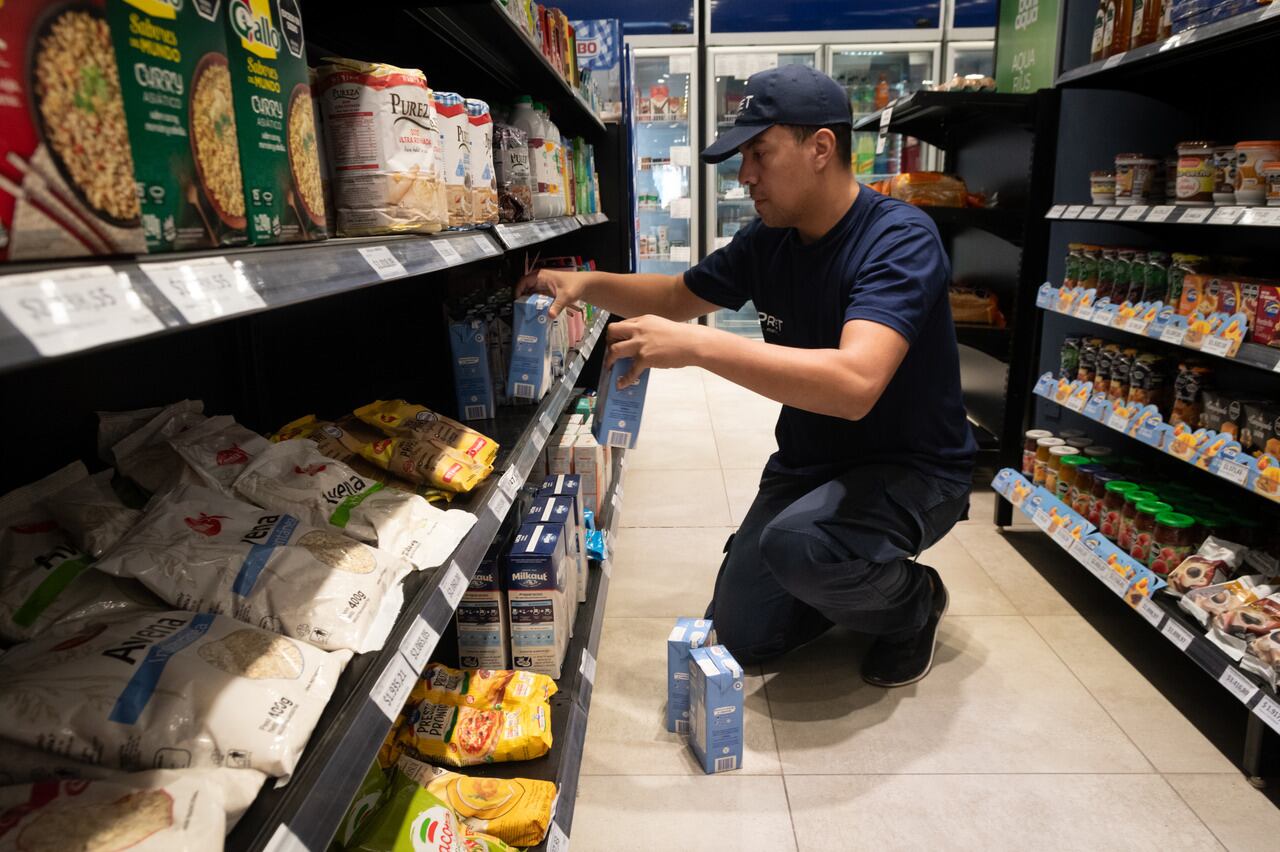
1031	731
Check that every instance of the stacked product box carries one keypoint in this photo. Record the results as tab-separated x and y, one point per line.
571	486
483	619
689	633
715	709
591	466
563	511
618	411
537	571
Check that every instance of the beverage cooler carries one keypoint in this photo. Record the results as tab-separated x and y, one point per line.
970	57
664	110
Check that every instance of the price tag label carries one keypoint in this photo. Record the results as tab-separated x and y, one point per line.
1086	314
1226	215
1233	471
1160	212
1080	551
1055	212
418	644
1195	215
1135	325
204	288
1077	403
1072	212
1151	611
1267	709
499	503
588	667
1063	537
1090	212
383	262
1174	335
66	310
1098	566
886	118
1116	582
1113	61
1237	684
1110	214
1216	346
1041	519
447	252
393	686
1133	213
548	422
485	245
557	841
1118	422
453	585
1177	634
509	484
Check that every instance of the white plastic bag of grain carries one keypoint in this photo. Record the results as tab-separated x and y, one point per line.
115	425
383	142
22	764
206	552
455	138
293	476
484	186
169	690
92	513
163	810
218	450
145	456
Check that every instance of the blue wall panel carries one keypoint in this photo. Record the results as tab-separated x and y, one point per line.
639	17
752	16
977	13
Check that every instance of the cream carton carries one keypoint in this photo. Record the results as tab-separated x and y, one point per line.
689	633
529	376
563	511
472	381
591	469
484	622
618	412
538	568
715	709
571	486
560	452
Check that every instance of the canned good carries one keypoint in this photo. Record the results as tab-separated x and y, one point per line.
1251	188
1195	178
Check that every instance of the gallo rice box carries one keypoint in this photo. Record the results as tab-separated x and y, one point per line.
571	486
618	411
689	633
538	567
563	511
715	709
484	625
529	376
472	382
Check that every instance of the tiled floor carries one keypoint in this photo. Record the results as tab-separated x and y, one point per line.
1031	732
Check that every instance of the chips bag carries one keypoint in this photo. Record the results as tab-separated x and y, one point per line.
397	417
410	819
483	689
466	736
417	459
517	811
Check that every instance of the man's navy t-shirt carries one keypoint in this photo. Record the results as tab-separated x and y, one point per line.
882	262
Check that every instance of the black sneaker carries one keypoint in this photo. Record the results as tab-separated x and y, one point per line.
899	662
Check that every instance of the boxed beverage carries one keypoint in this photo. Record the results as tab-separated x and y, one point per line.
715	709
689	633
560	451
618	412
591	468
561	510
484	625
529	376
274	121
472	381
538	570
570	486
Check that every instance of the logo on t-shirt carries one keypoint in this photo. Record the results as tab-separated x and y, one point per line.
770	323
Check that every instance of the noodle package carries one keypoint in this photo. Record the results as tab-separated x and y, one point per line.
466	736
481	688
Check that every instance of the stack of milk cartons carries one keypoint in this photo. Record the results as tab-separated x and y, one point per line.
484	623
572	449
538	569
689	633
570	486
564	511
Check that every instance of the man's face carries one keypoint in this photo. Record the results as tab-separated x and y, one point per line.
780	173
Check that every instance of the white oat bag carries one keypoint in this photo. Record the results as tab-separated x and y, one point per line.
206	552
171	689
145	456
92	513
383	141
22	764
292	476
218	450
162	810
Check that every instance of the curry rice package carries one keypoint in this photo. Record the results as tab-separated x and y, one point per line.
715	709
538	569
275	121
689	633
571	486
618	412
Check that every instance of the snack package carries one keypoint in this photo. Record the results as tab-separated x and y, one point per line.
397	417
419	460
928	189
92	514
218	450
216	692
481	688
473	841
511	167
157	811
145	456
294	477
1204	603
410	819
1234	629
517	811
1215	562
466	736
1263	658
1260	432
366	801
200	550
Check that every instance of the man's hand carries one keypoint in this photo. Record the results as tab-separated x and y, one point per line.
652	342
566	287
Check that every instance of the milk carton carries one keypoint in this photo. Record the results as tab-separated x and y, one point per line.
538	568
689	633
590	467
715	709
484	623
571	486
472	381
560	451
618	411
530	374
562	510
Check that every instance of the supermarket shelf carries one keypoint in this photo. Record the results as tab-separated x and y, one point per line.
1163	614
1168	214
521	234
982	386
1005	224
991	339
306	812
932	116
1190	48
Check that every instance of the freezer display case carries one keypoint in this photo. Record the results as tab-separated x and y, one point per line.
663	102
970	57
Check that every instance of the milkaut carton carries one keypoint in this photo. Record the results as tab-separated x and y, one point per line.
689	633
529	377
484	623
538	569
472	381
571	486
563	510
715	709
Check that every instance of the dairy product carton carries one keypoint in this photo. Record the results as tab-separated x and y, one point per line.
484	622
571	486
538	569
689	633
618	412
563	511
715	709
590	468
529	376
560	452
472	381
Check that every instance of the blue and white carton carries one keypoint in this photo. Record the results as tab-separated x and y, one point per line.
570	485
564	511
484	623
618	412
529	376
715	709
538	567
689	633
472	380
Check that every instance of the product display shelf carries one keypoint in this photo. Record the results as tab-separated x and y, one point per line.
1005	224
934	116
1168	214
1201	46
373	688
1163	614
521	234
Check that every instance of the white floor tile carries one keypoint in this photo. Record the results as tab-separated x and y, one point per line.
675	449
971	590
1243	819
665	571
741	485
1022	584
673	498
745	449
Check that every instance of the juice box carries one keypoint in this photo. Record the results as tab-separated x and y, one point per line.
529	376
538	569
472	381
715	709
689	633
618	412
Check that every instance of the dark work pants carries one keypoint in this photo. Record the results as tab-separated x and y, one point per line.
817	551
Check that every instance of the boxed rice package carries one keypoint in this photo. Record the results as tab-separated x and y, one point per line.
689	633
538	571
618	411
715	709
275	121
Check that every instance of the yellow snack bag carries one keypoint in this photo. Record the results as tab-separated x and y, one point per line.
426	461
466	736
483	689
516	811
397	417
391	749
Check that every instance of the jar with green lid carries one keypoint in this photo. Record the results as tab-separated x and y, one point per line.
1067	469
1113	506
1098	495
1124	538
1209	524
1144	528
1174	541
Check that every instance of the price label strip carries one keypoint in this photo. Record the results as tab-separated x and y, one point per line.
1041	519
447	252
499	503
1174	334
1195	215
510	482
1177	634
1233	471
1226	215
419	643
454	585
486	246
1073	212
1219	346
1237	684
1063	537
1133	213
1055	212
1116	581
557	840
1151	612
1110	214
204	288
383	262
1269	711
588	667
393	686
1160	212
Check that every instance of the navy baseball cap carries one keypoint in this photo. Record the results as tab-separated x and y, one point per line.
788	94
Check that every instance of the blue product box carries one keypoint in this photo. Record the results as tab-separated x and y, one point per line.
563	510
484	623
618	412
472	380
570	485
538	568
715	709
689	633
529	377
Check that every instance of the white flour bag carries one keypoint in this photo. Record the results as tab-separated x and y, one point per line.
218	450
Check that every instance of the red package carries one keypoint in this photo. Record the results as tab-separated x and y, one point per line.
1266	317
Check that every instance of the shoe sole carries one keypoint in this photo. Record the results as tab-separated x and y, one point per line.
932	651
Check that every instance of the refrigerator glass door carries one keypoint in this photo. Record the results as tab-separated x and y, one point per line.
965	58
665	153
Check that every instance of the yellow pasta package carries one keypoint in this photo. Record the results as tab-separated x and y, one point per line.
466	736
516	811
397	417
421	460
484	689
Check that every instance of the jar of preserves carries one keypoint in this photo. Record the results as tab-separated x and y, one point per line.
1144	528
1029	449
1128	513
1135	179
1173	542
1080	497
1041	470
1098	495
1194	184
1067	470
1080	442
1113	503
1056	455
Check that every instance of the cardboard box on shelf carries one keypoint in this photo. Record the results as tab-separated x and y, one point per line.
484	622
538	570
571	486
689	633
715	709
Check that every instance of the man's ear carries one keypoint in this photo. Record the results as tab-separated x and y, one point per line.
824	142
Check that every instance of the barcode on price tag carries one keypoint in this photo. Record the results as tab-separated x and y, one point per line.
1041	519
393	686
1110	214
1195	215
1269	712
1080	551
1133	213
383	262
204	288
1216	346
1055	212
418	644
453	585
1239	685
1233	471
1151	611
66	310
1226	215
447	252
1174	335
1177	634
510	482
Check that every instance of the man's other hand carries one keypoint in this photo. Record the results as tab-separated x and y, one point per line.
652	342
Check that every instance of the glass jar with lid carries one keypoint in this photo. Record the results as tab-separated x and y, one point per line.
1056	455
1029	449
1080	497
1173	542
1124	537
1113	506
1068	468
1043	446
1144	528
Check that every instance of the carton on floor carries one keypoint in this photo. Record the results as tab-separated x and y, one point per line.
689	633
715	709
538	567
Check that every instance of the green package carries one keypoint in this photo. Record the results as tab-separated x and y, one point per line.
172	61
365	802
410	819
275	121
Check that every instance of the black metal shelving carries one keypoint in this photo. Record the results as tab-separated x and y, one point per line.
935	117
1005	224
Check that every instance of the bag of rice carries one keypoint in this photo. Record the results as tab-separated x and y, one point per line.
455	137
484	188
169	690
466	736
92	513
419	460
293	477
145	455
409	820
384	145
218	450
481	688
398	417
514	810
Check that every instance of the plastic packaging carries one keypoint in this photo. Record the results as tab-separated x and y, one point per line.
484	186
511	168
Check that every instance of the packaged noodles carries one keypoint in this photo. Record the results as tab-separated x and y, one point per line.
517	811
481	688
421	460
397	417
467	736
